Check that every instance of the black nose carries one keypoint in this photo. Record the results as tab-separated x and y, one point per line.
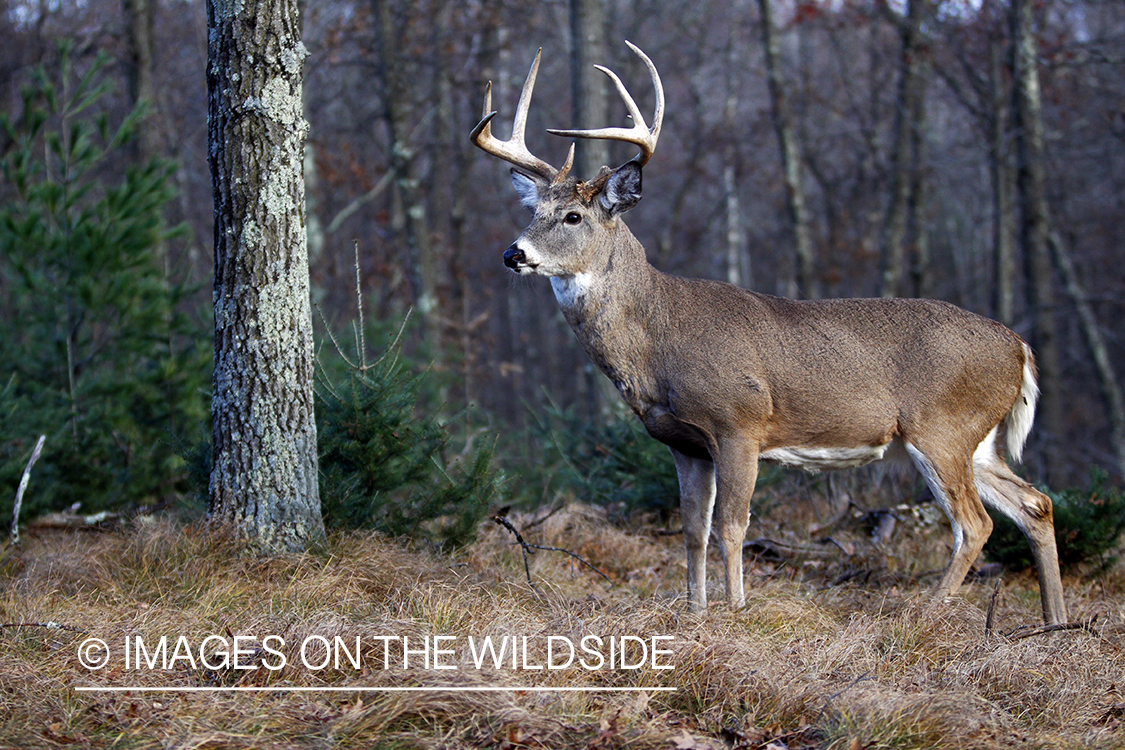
513	257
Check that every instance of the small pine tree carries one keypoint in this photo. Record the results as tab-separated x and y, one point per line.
383	459
95	349
614	463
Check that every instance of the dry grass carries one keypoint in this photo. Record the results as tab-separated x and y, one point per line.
805	664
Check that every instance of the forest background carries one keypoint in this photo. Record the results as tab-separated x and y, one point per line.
860	148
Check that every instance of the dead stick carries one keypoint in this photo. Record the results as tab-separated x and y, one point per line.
22	488
48	625
529	548
988	621
1087	625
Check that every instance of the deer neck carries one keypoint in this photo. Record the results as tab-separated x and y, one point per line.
610	308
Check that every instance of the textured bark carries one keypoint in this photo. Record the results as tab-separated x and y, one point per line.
905	162
737	257
141	72
805	283
1035	225
920	271
588	23
590	98
410	218
264	481
1003	188
1099	349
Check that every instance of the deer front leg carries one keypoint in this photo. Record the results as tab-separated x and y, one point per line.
736	471
697	500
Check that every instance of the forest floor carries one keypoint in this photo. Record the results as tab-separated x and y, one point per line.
835	647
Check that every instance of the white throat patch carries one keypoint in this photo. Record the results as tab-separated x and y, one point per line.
570	289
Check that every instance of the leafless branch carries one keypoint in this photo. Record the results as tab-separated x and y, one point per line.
48	625
1087	625
531	549
989	620
15	535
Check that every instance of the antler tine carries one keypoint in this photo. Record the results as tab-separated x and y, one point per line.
640	134
514	149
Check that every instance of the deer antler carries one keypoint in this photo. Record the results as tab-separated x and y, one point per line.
514	149
639	134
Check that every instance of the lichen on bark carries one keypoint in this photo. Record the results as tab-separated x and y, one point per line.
264	481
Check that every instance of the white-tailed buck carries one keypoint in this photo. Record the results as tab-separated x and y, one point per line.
725	377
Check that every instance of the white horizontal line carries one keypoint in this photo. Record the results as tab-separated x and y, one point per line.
296	689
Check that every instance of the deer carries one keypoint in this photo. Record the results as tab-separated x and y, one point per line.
727	377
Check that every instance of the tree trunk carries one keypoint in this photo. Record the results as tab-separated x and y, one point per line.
264	480
589	95
411	215
904	159
1099	350
588	25
1003	187
805	282
737	258
919	205
141	71
1031	184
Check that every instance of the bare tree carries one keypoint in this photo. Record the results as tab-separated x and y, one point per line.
410	218
737	257
805	282
588	21
141	68
905	211
1035	217
1003	188
264	481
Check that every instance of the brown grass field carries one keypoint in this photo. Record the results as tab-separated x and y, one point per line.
833	650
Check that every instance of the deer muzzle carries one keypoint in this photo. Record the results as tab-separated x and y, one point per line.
514	258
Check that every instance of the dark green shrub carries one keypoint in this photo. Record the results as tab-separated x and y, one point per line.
386	465
95	352
1088	527
613	463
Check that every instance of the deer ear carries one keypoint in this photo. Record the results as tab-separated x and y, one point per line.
622	189
527	187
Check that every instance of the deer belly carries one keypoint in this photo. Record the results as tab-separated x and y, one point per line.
819	459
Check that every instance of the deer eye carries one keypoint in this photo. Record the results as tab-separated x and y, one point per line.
573	218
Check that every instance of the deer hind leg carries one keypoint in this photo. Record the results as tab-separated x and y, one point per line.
697	502
736	471
1031	511
950	478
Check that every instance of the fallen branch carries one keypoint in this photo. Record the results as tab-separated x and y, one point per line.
22	488
766	546
842	513
101	520
48	625
1087	625
989	620
530	549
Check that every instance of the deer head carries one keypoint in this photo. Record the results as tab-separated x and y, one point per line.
574	218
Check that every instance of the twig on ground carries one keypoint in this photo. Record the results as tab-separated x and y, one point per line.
529	548
989	620
538	521
828	700
48	625
842	513
1087	625
15	535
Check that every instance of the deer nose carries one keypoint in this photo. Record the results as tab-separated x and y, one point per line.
513	257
